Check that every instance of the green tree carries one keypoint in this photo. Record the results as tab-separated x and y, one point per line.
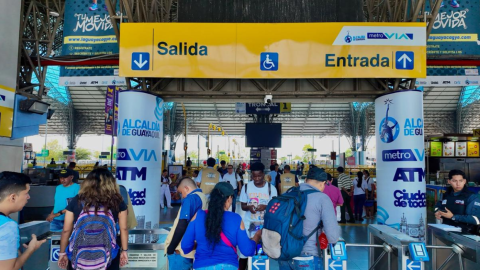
283	159
193	155
307	155
348	152
223	156
297	157
55	150
82	154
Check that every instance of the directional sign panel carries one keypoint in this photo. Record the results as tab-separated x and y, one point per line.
335	265
404	60
262	108
273	50
412	265
259	263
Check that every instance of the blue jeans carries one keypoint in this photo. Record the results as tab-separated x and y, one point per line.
314	264
359	201
219	267
178	262
56	225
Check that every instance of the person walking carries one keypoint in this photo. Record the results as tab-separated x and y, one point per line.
234	179
370	200
165	190
193	201
286	180
345	186
334	193
318	210
217	232
359	188
208	177
92	217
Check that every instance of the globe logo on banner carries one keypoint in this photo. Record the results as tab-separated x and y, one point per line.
159	109
348	38
389	128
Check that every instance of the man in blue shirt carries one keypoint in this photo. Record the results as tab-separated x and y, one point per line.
193	200
63	195
14	188
223	169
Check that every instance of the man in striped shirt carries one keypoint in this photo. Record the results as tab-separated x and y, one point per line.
345	185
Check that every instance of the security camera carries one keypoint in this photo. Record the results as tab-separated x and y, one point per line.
268	99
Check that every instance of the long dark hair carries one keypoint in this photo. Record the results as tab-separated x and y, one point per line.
214	220
360	179
100	189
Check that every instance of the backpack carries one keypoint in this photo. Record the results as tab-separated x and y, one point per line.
282	233
93	243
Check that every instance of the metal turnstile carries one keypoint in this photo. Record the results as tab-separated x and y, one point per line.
335	256
395	254
39	259
460	251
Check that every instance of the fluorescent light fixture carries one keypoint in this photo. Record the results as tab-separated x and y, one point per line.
54	14
34	106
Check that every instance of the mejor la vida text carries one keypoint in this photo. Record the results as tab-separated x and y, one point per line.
142	128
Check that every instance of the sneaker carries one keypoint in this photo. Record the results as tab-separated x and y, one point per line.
454	4
342	221
170	207
93	7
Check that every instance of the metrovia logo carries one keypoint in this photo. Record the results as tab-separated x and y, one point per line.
403	155
131	154
2	97
407	36
138	197
134	172
409	175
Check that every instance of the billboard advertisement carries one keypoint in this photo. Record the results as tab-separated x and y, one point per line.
454	35
88	32
401	186
139	155
111	110
290	50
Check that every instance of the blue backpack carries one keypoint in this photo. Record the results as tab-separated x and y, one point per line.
93	243
282	234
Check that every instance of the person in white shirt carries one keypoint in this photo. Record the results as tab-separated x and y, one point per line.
234	179
359	197
165	190
254	197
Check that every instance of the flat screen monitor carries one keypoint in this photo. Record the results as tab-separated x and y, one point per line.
263	135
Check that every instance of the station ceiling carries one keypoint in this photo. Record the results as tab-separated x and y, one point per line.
317	117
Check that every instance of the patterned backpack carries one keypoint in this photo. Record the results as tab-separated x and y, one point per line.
93	243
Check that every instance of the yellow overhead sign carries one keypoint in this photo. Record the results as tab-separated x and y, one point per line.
7	104
283	50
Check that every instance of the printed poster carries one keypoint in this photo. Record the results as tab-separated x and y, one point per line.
436	149
461	149
449	149
473	150
88	32
111	111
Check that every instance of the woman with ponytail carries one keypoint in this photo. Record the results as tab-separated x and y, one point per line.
217	232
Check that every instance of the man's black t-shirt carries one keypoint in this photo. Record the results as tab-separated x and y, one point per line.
76	208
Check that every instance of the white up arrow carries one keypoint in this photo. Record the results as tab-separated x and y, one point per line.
140	63
404	58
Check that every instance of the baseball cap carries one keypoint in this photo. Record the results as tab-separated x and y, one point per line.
225	188
318	174
65	173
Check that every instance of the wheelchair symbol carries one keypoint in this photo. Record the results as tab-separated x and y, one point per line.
268	63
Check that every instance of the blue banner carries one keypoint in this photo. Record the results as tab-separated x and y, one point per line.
455	34
88	32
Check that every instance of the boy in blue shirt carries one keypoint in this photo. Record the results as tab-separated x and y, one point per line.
63	195
14	188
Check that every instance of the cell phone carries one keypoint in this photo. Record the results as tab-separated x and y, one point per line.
40	237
